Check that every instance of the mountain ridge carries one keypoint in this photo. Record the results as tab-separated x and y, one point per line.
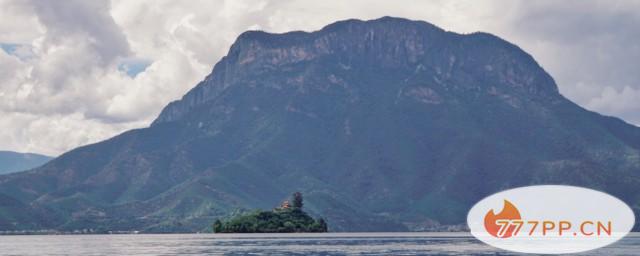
385	125
11	162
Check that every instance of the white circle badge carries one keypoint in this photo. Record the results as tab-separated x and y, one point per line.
550	219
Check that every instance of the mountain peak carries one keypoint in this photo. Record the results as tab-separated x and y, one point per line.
348	25
385	21
382	26
405	47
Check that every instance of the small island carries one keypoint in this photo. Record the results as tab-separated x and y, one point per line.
288	218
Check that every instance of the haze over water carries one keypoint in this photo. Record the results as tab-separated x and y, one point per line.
271	244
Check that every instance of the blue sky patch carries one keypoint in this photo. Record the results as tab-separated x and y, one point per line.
22	51
133	67
9	48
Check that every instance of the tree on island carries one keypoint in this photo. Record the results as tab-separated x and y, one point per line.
283	219
323	224
296	200
217	226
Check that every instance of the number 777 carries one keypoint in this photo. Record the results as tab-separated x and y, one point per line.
513	227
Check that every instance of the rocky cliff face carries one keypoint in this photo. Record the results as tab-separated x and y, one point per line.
386	124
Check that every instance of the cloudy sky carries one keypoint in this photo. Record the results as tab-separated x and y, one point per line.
74	72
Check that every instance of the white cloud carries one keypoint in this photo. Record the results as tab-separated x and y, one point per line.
18	25
68	85
623	102
89	22
54	133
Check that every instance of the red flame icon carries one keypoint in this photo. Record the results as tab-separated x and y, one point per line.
509	212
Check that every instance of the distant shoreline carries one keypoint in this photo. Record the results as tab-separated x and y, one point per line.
54	232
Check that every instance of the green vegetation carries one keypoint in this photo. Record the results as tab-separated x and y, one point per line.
288	218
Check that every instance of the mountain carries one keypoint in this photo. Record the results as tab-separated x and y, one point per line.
384	125
15	162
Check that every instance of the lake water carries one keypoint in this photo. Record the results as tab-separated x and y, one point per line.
271	244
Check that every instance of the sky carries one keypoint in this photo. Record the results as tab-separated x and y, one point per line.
76	72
